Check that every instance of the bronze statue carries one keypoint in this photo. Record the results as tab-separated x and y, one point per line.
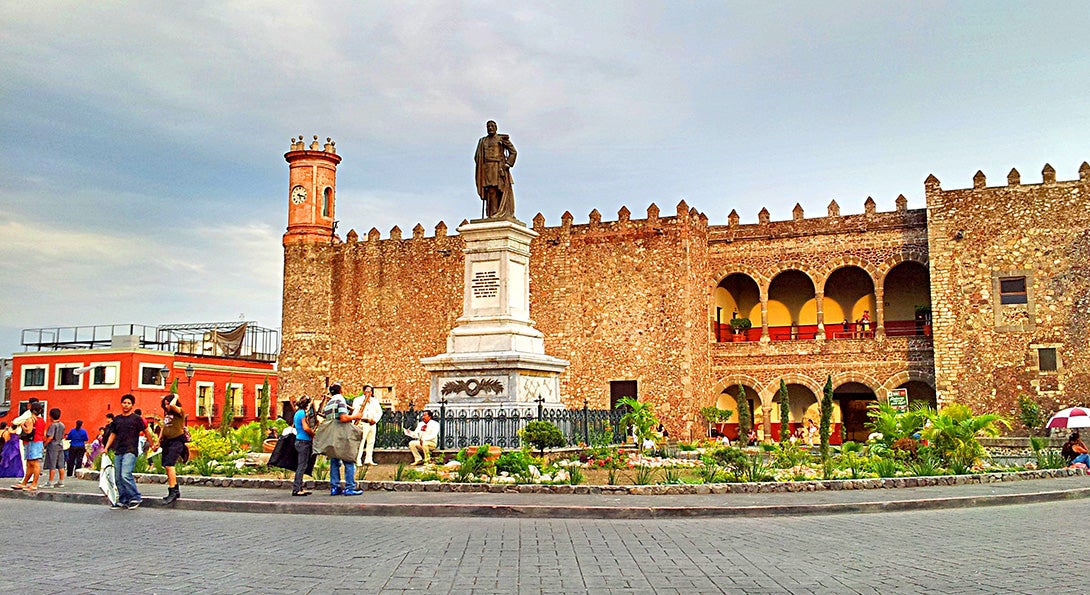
494	158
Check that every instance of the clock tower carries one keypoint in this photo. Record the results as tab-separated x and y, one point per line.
309	248
312	188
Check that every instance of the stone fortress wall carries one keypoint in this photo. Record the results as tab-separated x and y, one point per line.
637	299
988	352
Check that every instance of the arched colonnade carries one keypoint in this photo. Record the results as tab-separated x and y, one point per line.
852	393
848	299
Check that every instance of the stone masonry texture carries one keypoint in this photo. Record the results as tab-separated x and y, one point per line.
632	299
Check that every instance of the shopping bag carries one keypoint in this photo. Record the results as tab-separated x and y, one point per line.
338	440
106	480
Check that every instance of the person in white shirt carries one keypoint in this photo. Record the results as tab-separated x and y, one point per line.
367	407
424	438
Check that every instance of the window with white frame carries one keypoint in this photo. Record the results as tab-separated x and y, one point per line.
34	377
24	405
105	375
234	393
257	401
66	377
205	399
150	376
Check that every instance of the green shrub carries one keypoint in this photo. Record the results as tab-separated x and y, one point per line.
575	476
925	465
671	475
1029	412
884	466
641	417
1047	458
642	475
542	435
786	455
321	469
204	466
514	462
210	444
954	431
476	464
851	458
250	434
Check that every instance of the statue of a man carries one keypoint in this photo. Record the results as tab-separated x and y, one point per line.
494	158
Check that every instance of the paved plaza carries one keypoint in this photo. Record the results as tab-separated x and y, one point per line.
999	549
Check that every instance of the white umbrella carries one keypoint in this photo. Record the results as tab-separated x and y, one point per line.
1072	417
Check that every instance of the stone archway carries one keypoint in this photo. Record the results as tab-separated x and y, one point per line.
727	398
854	399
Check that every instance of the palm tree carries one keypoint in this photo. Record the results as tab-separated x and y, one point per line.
640	416
954	431
894	425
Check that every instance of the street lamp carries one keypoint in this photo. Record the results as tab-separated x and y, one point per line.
163	373
189	371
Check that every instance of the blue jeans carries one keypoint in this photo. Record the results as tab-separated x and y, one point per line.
1083	458
335	474
126	483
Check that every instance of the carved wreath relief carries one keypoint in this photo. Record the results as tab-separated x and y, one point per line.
473	386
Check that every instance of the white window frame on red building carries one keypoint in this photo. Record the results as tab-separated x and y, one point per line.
45	377
57	368
140	375
115	366
209	401
238	400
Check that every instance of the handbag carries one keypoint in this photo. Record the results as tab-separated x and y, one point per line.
338	440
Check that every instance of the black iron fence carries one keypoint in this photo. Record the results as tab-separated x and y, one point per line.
459	428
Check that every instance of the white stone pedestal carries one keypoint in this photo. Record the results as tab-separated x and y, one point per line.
495	357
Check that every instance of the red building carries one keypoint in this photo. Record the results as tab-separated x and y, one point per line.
85	370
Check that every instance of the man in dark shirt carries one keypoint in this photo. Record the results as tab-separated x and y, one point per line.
124	440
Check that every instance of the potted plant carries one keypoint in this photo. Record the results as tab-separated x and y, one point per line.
740	326
923	319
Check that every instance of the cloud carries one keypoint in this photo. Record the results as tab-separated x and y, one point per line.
65	276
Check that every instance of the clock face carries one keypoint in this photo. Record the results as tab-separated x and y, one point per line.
298	195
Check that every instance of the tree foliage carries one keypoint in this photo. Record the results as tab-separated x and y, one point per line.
263	406
892	424
954	431
541	435
745	418
641	416
826	418
716	415
785	413
227	416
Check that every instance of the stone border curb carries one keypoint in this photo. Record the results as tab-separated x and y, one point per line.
769	487
567	512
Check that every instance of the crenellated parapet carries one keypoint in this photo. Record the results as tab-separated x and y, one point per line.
937	197
653	223
834	222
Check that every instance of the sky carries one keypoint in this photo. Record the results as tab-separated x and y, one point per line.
142	177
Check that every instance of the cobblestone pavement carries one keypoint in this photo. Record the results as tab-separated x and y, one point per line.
1007	549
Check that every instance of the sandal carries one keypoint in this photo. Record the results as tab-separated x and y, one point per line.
18	486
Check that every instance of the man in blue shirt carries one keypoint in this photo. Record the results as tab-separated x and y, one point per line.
77	447
303	445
